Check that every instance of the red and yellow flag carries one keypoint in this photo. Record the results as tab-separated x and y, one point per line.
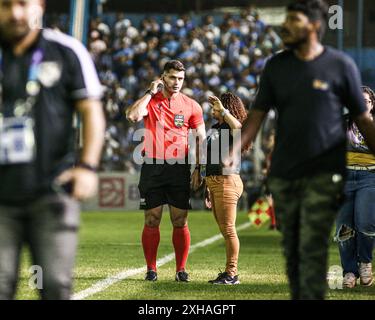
260	212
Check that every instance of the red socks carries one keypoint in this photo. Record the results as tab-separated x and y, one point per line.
150	243
181	243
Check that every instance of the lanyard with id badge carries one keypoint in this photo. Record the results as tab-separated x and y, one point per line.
17	137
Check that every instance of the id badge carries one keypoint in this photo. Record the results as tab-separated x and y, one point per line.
17	140
203	171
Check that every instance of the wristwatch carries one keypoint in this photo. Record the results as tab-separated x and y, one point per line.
87	166
149	92
224	112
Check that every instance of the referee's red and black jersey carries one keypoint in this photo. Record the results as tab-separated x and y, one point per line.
66	74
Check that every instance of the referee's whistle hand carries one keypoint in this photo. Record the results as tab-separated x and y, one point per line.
155	85
85	182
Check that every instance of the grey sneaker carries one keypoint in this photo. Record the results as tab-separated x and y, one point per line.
182	276
350	280
365	274
225	278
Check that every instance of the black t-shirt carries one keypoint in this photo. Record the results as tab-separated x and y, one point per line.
309	98
66	74
219	144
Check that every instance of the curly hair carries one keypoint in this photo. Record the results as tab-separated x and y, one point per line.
236	108
371	94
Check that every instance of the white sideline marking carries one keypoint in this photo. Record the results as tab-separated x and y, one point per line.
105	283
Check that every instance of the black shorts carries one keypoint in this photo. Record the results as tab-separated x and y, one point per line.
165	184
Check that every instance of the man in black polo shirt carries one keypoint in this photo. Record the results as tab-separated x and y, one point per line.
308	85
44	77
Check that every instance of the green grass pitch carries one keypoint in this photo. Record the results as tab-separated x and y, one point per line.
110	243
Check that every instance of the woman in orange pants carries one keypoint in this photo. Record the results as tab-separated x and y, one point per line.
223	184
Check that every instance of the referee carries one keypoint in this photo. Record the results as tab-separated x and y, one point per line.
45	76
168	115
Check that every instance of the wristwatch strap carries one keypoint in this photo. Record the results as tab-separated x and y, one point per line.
87	166
149	92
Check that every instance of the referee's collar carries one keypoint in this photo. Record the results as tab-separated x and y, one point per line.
161	96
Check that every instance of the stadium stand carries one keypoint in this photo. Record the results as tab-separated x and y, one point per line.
221	54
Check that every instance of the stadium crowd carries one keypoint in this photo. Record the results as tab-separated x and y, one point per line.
221	54
219	57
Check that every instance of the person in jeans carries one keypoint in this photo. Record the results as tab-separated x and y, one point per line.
224	185
308	85
45	77
355	227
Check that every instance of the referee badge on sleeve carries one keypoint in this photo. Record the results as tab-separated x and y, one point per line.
179	120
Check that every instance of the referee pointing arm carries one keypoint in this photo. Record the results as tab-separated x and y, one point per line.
45	76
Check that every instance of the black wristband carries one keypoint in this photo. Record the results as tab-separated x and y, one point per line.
87	166
150	92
